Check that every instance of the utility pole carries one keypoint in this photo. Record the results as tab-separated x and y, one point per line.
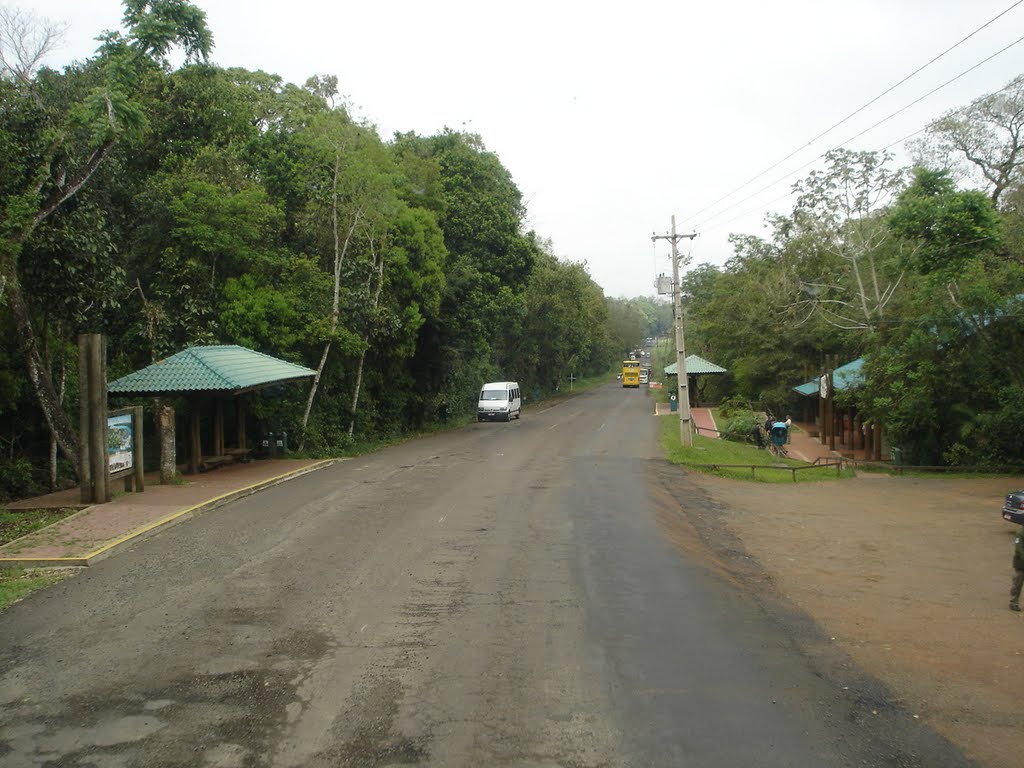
685	425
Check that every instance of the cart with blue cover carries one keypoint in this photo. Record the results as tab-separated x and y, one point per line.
779	436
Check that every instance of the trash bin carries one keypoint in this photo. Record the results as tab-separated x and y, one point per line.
896	454
672	403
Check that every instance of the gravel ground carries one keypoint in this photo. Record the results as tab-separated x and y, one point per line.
908	577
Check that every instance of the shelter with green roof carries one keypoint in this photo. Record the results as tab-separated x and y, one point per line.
225	373
849	376
695	366
842	429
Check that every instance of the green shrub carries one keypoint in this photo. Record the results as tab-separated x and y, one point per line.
739	427
734	406
16	480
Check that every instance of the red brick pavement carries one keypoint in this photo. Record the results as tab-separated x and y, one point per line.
96	531
704	422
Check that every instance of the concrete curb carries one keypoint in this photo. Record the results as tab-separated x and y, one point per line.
175	517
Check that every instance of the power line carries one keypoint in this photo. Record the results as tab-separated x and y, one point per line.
857	136
887	146
939	88
855	112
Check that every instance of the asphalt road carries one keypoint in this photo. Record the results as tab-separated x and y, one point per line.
524	594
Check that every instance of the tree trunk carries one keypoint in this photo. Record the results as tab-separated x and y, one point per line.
355	395
165	429
53	441
362	357
312	394
340	249
39	376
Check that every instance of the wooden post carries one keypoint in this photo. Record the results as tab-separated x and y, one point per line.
240	413
876	440
831	408
196	450
218	427
84	457
822	430
98	396
165	429
140	470
92	357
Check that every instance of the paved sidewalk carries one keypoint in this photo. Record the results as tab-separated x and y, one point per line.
704	422
96	531
806	448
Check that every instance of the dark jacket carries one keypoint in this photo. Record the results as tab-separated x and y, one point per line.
1018	550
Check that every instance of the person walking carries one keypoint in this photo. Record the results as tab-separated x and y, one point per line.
1018	570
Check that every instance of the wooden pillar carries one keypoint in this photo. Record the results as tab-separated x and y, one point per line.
858	436
168	452
195	444
140	466
98	416
876	452
84	459
822	430
95	465
830	410
240	413
218	427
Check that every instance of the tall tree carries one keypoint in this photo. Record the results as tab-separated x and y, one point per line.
932	377
841	208
348	217
987	136
64	145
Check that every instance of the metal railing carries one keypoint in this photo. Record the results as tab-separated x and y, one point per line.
829	463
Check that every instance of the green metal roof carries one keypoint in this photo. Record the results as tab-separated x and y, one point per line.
849	376
694	364
227	368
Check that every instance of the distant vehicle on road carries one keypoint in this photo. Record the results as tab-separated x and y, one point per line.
631	373
499	400
644	377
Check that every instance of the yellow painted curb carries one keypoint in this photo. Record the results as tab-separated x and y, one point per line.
40	562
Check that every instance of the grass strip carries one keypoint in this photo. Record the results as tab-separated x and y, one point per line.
17	523
709	450
17	583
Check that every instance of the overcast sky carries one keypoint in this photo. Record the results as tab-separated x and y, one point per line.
613	117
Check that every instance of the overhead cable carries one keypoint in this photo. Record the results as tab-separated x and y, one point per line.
856	111
858	135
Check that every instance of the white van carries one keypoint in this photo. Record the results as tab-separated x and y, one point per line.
499	400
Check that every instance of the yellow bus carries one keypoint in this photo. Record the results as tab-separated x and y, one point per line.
631	373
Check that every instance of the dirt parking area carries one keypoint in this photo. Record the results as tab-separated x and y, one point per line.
910	577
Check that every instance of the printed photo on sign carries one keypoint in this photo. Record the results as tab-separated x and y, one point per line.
119	442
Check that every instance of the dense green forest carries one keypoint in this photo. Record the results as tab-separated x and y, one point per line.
169	206
919	270
174	206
